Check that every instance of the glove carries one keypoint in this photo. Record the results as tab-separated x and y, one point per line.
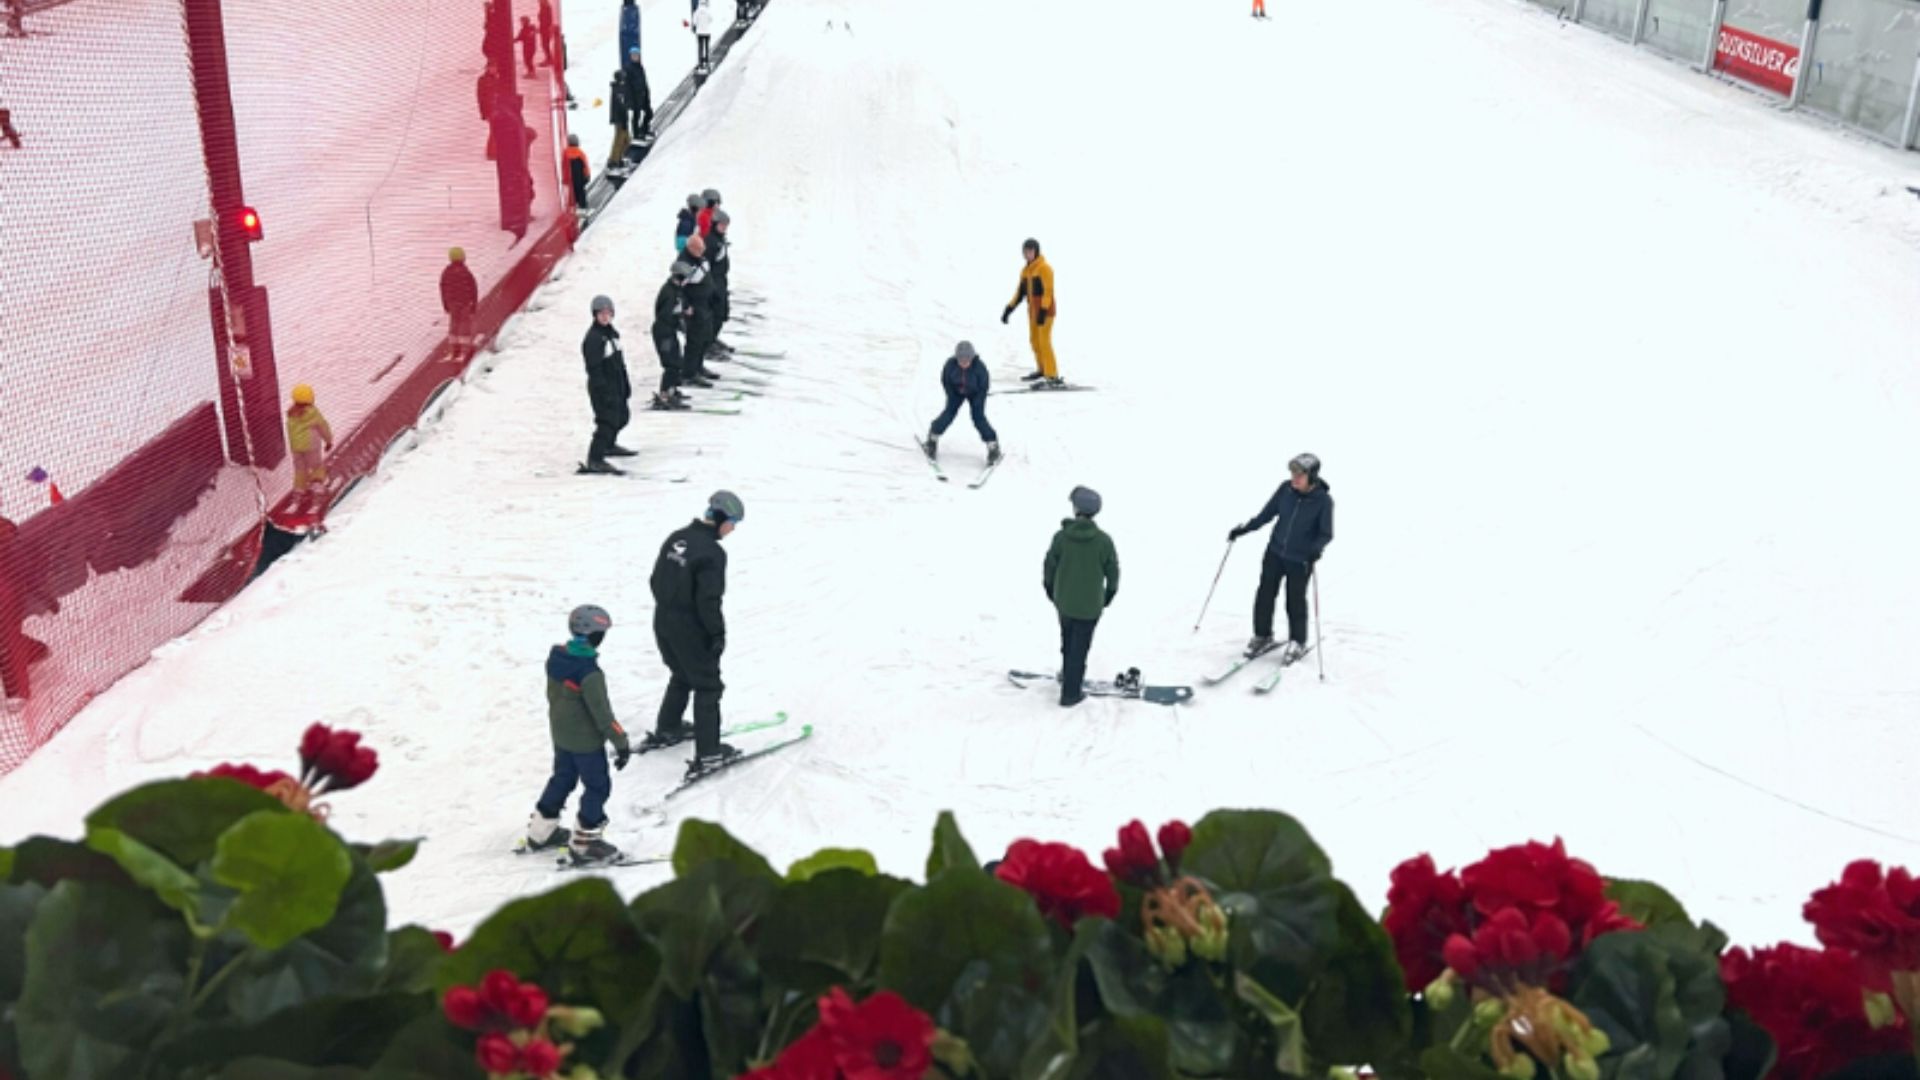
719	646
1236	533
1006	314
1041	317
621	755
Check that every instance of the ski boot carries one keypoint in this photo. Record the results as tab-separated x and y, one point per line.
616	450
1128	682
930	446
696	382
588	849
707	373
1260	644
1033	376
660	740
1291	651
599	466
701	764
1053	382
544	833
993	453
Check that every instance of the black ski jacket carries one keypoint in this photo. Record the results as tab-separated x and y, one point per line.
690	578
719	260
639	94
1305	522
667	310
702	298
606	366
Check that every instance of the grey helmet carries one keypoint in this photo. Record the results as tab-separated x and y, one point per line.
721	217
711	196
1031	245
682	270
602	303
694	203
964	351
1086	501
573	140
588	619
725	506
1305	463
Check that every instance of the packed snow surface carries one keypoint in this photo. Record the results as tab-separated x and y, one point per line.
1612	369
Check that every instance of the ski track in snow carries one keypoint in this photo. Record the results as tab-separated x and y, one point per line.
1611	366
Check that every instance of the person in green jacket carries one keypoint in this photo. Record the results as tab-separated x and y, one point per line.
1081	577
582	722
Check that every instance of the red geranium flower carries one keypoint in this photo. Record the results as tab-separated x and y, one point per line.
1134	861
445	939
1536	878
335	760
496	1054
1424	909
809	1058
246	774
1060	879
539	1058
1507	952
528	1007
1874	914
500	990
1810	1001
1174	838
464	1008
882	1038
312	745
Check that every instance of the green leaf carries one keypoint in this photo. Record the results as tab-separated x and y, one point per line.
103	977
1123	1048
833	859
350	1031
1203	1036
973	953
686	923
175	887
1754	1053
388	855
1358	1008
1441	1063
183	819
950	849
343	958
1277	885
18	903
429	1048
703	841
47	862
1657	994
1290	1040
6	863
413	956
289	871
825	930
578	942
1646	903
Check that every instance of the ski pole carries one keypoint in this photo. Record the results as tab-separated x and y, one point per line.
1210	588
1319	643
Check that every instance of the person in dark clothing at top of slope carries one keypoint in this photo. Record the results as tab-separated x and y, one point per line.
964	378
689	583
617	115
459	298
629	27
546	30
1081	575
1303	509
639	97
669	312
607	388
529	39
688	223
580	718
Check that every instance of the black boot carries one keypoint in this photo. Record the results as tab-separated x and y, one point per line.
599	466
661	740
702	764
620	451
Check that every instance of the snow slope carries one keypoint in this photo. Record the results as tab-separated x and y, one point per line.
1611	368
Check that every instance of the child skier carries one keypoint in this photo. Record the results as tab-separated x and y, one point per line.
460	299
688	223
964	380
528	38
304	425
1081	576
581	721
578	173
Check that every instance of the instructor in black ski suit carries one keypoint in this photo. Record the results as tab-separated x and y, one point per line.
607	388
702	309
1304	512
719	266
689	582
669	308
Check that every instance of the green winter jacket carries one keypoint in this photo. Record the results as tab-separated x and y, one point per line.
1082	570
577	707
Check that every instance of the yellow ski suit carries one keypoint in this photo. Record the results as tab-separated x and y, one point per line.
1036	288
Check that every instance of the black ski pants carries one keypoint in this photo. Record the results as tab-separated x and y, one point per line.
1076	639
700	333
706	42
976	405
687	650
641	117
1295	574
668	346
608	418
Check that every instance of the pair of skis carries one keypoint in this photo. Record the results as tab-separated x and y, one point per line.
1040	387
940	474
1268	681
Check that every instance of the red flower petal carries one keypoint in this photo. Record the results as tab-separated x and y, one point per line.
500	990
1064	885
445	939
312	745
465	1009
540	1058
882	1038
496	1054
529	1006
1810	1001
1174	838
1461	956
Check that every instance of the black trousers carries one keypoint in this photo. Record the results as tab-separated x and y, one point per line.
700	334
1295	574
608	418
669	349
705	40
687	650
1076	638
642	120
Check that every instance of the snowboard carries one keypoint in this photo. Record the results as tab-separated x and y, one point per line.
1159	695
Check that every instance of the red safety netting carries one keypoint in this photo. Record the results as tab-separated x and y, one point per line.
150	352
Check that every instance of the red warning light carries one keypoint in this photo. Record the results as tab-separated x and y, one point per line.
250	223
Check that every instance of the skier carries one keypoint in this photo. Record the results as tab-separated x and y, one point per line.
719	266
689	222
617	114
581	719
629	27
1036	288
689	583
528	38
703	29
305	424
639	96
709	202
577	172
1081	575
669	310
964	380
607	388
1305	512
459	298
546	30
701	329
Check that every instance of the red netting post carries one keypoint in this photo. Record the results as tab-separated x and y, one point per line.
249	404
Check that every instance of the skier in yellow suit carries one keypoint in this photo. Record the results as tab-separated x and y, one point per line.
1036	288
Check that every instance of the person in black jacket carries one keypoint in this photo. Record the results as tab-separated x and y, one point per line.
689	582
669	310
639	96
719	266
617	111
1304	510
607	388
964	379
701	328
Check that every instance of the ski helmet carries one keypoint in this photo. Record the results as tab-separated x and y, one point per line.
721	217
602	303
588	619
724	506
964	351
681	270
634	51
1031	245
1085	501
573	140
1305	463
303	394
694	203
456	254
711	196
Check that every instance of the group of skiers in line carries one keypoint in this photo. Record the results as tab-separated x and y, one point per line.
693	304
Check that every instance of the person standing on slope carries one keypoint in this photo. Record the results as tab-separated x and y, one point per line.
689	583
964	378
719	267
528	38
607	388
669	311
578	173
580	718
688	224
709	202
629	27
1303	509
639	97
703	30
701	329
460	299
1036	289
1081	576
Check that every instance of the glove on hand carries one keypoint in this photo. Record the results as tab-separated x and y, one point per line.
1006	313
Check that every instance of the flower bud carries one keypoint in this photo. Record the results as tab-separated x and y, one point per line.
1579	1067
1880	1010
1167	946
1520	1068
1440	992
583	1072
1595	1042
1489	1012
576	1020
1211	943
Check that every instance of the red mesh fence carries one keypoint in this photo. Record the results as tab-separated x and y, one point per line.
148	367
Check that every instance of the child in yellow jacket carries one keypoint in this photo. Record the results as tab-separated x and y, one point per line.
304	423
